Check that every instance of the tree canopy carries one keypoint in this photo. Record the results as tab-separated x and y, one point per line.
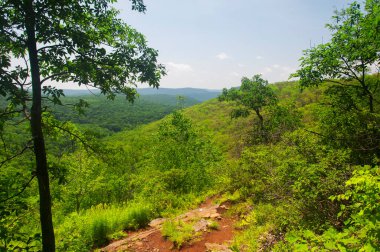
349	67
82	42
352	52
253	94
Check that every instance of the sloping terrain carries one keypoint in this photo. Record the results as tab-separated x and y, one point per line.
212	230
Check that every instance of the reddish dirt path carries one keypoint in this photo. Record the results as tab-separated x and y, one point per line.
151	240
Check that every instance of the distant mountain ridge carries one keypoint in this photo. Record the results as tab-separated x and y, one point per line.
194	93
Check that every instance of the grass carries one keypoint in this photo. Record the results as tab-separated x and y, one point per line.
177	232
98	225
213	225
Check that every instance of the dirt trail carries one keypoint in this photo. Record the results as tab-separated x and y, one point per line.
151	239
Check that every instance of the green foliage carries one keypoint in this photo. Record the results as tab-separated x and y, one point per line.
183	157
264	226
360	231
213	225
347	123
82	42
97	225
177	232
352	50
342	65
119	114
253	94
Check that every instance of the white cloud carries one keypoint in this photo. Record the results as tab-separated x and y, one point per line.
277	72
178	67
268	69
259	57
235	74
374	68
222	56
241	65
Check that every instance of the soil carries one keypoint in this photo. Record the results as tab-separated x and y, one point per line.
151	239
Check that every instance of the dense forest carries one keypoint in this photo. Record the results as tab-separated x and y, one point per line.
297	161
116	115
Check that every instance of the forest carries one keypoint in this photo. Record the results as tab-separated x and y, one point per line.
297	162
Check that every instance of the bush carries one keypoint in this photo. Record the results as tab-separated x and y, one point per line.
361	229
96	226
178	232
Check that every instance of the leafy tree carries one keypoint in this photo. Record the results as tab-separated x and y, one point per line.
352	53
343	65
253	94
184	157
66	41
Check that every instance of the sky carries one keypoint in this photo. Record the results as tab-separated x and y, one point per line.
214	43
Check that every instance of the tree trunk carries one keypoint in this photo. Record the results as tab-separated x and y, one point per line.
371	103
48	241
260	118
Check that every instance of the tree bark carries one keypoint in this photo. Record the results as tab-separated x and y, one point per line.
48	240
260	118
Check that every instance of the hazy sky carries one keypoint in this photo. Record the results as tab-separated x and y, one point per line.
213	43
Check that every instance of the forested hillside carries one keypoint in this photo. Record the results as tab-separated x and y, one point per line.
288	185
296	163
113	116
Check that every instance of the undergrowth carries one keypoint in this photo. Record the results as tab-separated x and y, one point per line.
97	225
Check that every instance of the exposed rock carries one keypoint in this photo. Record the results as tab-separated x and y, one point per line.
157	223
205	212
135	239
201	225
214	247
214	215
224	207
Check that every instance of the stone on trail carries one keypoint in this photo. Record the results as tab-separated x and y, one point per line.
214	247
201	225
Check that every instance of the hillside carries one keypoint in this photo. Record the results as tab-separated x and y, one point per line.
113	116
278	181
191	93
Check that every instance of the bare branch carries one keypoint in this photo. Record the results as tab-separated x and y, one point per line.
10	112
49	47
342	83
350	69
53	75
16	155
91	91
75	136
10	76
27	70
13	35
21	191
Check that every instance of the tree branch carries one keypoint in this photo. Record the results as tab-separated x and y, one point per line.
52	76
16	155
21	191
49	46
10	112
10	76
350	69
341	83
13	35
75	136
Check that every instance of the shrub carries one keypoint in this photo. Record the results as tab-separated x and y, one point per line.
96	226
178	232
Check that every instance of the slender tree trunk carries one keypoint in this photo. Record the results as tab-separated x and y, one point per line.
48	241
260	118
371	103
77	203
